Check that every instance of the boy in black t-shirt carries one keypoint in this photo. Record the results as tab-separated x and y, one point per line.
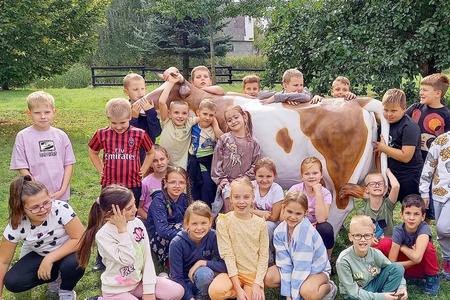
403	145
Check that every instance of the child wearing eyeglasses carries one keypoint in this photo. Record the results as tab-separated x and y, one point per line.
378	207
363	271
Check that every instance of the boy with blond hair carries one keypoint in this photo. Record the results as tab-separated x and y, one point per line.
294	92
176	124
436	171
143	113
251	85
200	78
203	141
432	116
364	272
120	143
42	151
403	148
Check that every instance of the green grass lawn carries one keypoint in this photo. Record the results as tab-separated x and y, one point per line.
79	113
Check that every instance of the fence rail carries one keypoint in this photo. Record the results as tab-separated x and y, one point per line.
101	74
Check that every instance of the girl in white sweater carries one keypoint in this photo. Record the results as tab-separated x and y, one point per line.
125	249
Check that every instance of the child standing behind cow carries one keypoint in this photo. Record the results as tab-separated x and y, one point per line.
203	141
243	245
152	182
177	125
143	113
193	253
268	197
403	143
251	85
319	199
302	261
339	89
42	151
432	116
235	155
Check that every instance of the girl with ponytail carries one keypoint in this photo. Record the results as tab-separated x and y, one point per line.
124	247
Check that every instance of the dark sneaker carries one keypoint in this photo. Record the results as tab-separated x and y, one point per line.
431	285
99	266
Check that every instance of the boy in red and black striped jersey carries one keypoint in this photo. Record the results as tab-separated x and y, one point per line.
120	143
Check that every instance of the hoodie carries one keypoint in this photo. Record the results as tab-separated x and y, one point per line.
184	253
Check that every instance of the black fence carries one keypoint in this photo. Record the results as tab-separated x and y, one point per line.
113	75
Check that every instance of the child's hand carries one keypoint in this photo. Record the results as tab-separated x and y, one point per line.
402	292
427	202
350	96
146	105
379	146
194	268
174	78
375	241
118	219
390	296
316	99
57	195
135	109
265	213
317	188
223	183
241	295
45	269
293	103
167	72
267	100
257	293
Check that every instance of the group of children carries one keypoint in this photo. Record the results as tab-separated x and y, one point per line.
263	238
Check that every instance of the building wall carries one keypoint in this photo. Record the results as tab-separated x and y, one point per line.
241	30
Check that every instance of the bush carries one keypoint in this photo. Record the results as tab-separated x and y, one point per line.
78	76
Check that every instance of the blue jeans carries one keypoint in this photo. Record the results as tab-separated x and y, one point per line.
203	277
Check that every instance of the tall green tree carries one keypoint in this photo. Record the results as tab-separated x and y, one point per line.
382	43
213	12
43	38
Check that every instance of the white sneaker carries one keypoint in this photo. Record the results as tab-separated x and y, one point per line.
163	275
53	287
332	293
67	295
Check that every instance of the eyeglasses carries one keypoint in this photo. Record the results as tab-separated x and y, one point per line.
175	183
366	236
375	184
37	209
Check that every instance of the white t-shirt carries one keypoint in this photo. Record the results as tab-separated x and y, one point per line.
48	236
45	154
274	195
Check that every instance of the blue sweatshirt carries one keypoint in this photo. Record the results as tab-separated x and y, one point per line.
184	253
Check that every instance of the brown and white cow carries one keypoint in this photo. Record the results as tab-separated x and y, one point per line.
338	132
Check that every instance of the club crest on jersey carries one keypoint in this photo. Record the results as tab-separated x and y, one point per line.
131	142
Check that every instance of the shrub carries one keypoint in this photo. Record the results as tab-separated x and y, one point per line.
78	76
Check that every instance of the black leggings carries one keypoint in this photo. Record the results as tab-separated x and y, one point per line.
326	232
23	274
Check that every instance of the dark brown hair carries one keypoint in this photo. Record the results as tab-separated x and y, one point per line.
247	123
101	209
21	187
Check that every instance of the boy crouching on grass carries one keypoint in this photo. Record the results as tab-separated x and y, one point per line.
363	271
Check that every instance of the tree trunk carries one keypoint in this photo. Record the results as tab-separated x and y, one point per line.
5	86
186	66
211	51
429	68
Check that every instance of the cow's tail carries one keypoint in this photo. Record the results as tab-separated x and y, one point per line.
351	190
375	106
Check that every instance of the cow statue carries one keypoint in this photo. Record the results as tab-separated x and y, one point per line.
338	132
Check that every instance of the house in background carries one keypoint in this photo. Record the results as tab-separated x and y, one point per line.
242	35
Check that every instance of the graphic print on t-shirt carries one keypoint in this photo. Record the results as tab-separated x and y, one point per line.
47	148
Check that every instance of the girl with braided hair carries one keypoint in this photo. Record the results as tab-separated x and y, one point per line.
166	212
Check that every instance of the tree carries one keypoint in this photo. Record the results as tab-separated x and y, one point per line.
168	36
43	38
382	43
211	11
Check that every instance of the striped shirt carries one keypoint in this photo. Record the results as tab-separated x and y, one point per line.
305	254
121	162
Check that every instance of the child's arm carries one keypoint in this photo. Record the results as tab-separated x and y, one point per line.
95	158
217	131
256	155
428	171
395	186
68	171
415	254
284	262
141	212
7	250
214	89
24	172
403	155
75	230
322	209
154	125
147	161
218	174
304	96
176	262
163	109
